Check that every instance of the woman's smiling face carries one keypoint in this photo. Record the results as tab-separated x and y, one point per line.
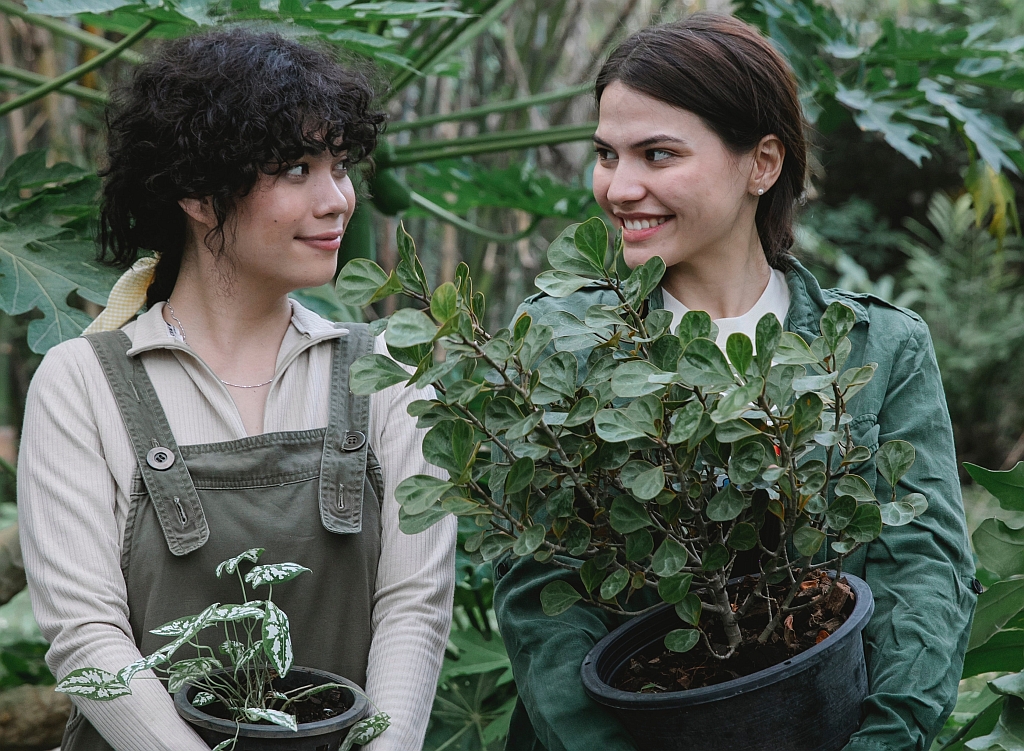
668	181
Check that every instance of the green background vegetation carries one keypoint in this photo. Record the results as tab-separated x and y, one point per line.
916	110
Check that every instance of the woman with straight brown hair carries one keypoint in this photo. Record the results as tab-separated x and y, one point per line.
701	158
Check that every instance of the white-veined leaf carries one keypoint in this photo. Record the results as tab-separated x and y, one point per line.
277	639
230	566
273	573
92	683
238	612
197	624
203	698
283	719
366	730
183	671
224	745
126	673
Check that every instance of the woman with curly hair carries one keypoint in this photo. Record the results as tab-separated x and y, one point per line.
220	419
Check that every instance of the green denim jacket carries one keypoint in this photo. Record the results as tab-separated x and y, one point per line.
921	574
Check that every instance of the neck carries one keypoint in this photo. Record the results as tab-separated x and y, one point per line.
726	282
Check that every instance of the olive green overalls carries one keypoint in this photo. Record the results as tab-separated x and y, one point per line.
308	496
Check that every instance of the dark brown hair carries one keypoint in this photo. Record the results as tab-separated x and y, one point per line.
205	117
723	70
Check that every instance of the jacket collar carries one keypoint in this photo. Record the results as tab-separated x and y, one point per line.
149	331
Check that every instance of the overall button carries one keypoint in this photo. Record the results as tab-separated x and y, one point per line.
354	440
160	458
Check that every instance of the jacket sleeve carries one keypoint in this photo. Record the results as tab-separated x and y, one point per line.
921	573
546	655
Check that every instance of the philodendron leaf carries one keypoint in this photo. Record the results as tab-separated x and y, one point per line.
1000	547
92	683
855	379
559	372
1007	486
366	730
856	455
893	459
669	558
372	373
277	639
225	745
682	639
557	597
283	719
408	327
418	493
184	671
359	280
230	566
866	523
639	545
274	573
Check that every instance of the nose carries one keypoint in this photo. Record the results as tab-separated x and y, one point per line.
330	198
625	183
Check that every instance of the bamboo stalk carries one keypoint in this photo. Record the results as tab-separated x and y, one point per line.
485	144
75	73
487	109
16	120
66	30
37	79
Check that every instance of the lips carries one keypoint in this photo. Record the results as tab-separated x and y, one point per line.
326	241
636	229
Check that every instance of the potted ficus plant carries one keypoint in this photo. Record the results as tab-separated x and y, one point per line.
653	466
249	697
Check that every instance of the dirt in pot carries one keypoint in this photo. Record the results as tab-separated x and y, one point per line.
660	670
324	705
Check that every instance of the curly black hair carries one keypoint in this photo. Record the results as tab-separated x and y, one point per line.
204	118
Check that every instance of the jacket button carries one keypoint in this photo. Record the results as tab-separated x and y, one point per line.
977	586
502	569
354	440
160	458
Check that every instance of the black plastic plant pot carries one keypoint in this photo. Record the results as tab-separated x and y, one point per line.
324	735
811	702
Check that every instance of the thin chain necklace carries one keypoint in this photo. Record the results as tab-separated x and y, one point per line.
181	328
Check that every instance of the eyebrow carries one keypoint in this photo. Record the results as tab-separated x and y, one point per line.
656	139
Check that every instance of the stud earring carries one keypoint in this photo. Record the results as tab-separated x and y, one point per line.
760	191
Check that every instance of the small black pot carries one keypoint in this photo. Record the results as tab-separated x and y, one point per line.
324	735
811	702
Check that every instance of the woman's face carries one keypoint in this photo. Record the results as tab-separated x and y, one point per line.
668	181
286	232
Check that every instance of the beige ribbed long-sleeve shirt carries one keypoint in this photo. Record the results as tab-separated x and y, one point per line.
75	475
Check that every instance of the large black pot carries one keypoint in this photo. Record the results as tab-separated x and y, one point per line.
811	702
325	735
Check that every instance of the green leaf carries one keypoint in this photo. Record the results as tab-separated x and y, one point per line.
408	327
997	605
557	597
876	115
529	540
560	502
866	523
125	674
274	573
856	486
273	716
520	475
808	540
705	356
806	413
1007	486
372	373
277	640
715	556
917	501
591	239
229	567
536	341
740	351
359	280
853	380
766	340
502	413
631	379
639	545
614	426
673	589
840	512
793	350
412	525
737	401
560	283
577	538
836	322
726	505
581	412
628	516
689	608
92	683
856	455
893	459
743	537
695	324
642	281
614	584
1000	548
682	639
563	255
669	559
559	372
897	514
444	302
745	463
366	730
646	485
184	671
685	422
418	493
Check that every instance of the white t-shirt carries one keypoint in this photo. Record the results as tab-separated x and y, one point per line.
774	299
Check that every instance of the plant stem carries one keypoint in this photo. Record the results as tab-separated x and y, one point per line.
76	73
66	30
36	79
456	220
486	144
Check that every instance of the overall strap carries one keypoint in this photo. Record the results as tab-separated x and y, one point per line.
343	467
167	479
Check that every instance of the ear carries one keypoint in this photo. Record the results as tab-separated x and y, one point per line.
769	154
199	210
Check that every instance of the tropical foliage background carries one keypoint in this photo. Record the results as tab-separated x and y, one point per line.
916	109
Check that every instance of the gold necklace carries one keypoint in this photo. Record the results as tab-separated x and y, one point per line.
181	327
